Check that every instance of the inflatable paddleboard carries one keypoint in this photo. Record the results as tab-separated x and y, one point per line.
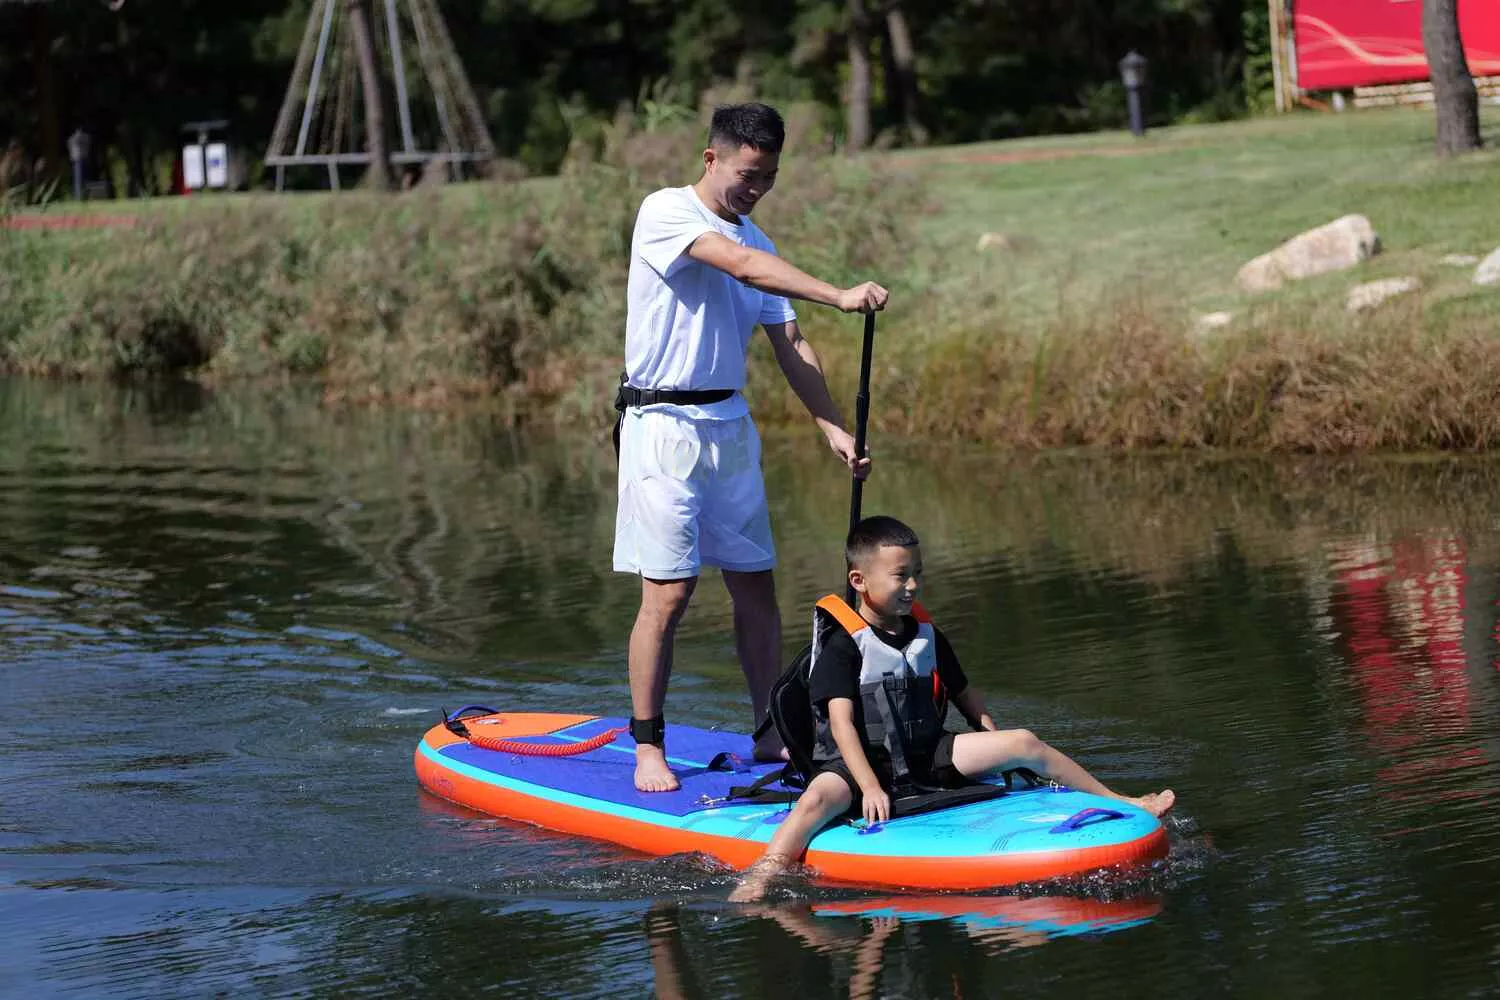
530	771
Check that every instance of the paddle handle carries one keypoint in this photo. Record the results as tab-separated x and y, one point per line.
861	429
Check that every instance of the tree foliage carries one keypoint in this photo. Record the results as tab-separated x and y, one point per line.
549	71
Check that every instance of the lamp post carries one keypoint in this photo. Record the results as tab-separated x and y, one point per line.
79	144
1133	73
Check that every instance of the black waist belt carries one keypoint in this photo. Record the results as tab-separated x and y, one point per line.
629	396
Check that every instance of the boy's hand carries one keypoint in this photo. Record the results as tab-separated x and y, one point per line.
866	298
842	443
877	805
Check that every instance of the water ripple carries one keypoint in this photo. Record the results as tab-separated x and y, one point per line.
225	622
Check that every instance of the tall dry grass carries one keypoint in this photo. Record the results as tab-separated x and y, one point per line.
1134	375
496	288
515	292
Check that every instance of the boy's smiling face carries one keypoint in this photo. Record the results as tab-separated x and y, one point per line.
887	582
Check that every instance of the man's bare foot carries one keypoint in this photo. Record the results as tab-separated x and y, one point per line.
651	771
768	750
1157	804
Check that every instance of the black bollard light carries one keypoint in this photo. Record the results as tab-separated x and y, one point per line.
1133	73
79	145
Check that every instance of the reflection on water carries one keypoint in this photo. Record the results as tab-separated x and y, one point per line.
843	944
227	617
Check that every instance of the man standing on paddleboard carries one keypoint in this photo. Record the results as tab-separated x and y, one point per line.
702	276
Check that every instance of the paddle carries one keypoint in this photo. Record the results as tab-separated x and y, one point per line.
861	426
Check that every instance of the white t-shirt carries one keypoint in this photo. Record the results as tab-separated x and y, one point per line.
688	325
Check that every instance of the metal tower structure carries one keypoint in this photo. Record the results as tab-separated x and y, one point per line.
322	122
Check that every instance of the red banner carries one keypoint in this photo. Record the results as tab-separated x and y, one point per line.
1357	43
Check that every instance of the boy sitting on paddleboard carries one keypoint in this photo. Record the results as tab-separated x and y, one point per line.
886	669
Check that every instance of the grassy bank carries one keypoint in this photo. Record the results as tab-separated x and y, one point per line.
1076	329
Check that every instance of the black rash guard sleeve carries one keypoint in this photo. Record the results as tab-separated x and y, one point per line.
952	675
836	674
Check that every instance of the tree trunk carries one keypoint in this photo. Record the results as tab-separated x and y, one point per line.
1455	100
140	183
127	132
903	60
379	175
858	111
50	154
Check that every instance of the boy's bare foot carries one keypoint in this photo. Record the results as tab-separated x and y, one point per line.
1157	804
751	890
651	771
757	879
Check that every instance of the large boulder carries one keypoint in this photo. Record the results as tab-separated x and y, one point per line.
1208	322
1339	245
1373	293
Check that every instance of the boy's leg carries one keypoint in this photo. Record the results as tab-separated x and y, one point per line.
662	605
827	796
757	640
975	754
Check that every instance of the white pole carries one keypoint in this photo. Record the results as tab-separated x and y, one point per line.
1289	58
398	65
433	64
1277	31
312	87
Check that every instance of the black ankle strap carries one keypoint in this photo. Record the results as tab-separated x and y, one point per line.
652	731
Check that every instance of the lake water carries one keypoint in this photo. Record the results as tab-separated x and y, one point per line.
226	618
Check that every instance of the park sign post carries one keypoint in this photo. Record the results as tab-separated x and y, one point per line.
205	164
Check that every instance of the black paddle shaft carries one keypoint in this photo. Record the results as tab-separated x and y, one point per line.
861	428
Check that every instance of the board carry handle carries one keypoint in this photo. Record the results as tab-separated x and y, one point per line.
455	716
1079	819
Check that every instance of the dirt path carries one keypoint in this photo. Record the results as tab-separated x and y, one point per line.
68	222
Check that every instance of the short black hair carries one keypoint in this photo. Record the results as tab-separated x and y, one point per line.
871	534
758	126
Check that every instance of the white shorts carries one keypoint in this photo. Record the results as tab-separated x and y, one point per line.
691	494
